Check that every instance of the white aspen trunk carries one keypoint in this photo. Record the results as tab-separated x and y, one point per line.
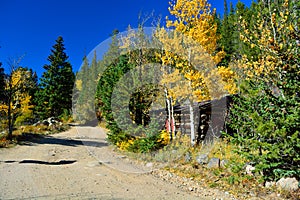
172	118
191	111
272	22
169	112
192	123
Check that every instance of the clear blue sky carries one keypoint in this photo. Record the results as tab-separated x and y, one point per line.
31	27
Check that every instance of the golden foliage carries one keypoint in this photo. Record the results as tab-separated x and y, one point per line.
123	145
272	35
192	74
195	19
78	84
228	79
164	137
21	100
191	49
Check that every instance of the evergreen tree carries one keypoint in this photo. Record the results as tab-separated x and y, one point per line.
226	40
105	89
54	97
229	31
112	53
2	97
2	83
87	80
33	79
110	58
80	95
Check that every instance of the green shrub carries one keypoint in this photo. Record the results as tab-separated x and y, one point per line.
267	130
147	144
115	138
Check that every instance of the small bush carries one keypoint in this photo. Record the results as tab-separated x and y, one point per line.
118	138
139	144
147	144
3	141
66	117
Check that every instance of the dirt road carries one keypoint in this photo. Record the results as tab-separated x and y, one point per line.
78	164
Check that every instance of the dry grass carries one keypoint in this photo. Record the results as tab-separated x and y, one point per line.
27	132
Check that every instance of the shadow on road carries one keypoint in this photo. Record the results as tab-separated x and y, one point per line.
33	139
61	162
40	162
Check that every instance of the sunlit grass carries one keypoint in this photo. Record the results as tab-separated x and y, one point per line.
26	132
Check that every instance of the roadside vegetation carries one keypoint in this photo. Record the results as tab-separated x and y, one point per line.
26	102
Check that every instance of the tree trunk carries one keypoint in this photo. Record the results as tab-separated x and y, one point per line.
192	122
173	128
9	113
168	124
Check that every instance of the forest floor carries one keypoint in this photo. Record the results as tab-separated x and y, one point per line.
79	164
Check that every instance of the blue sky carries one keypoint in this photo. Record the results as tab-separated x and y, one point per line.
31	27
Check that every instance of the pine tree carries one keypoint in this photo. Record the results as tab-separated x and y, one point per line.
87	80
81	94
105	88
34	85
110	57
54	97
2	83
226	32
2	95
127	118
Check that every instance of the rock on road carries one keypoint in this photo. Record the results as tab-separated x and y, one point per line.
77	164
